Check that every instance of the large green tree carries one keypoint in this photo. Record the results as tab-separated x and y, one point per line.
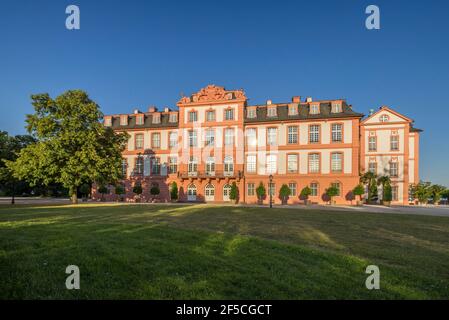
72	144
9	148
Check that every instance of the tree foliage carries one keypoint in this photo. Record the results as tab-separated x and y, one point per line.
72	145
422	191
306	192
370	179
234	193
137	189
261	191
285	191
387	194
358	190
436	192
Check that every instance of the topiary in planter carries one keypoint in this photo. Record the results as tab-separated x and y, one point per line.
359	190
234	193
174	192
261	193
331	192
387	195
137	189
305	193
103	190
119	191
284	193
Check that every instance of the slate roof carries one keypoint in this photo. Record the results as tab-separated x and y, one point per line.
148	122
303	113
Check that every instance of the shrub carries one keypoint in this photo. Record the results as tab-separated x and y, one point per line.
174	191
306	192
359	190
119	189
387	195
233	195
85	189
103	189
261	191
285	191
332	192
154	191
137	189
372	191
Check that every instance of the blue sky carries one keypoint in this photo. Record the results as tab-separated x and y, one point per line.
131	54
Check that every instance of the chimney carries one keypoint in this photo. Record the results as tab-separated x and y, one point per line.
296	99
166	109
309	99
269	102
152	109
136	111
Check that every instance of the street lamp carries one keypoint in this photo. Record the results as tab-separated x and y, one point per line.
269	190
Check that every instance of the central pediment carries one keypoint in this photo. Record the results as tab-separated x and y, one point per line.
213	93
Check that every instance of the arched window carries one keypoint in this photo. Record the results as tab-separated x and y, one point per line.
209	192
191	192
226	192
228	166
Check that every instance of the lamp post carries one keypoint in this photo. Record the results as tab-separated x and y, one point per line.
269	190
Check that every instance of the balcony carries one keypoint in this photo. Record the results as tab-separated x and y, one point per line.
217	174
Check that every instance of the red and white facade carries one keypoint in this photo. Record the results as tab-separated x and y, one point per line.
215	138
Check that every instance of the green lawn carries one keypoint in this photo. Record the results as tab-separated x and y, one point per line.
213	252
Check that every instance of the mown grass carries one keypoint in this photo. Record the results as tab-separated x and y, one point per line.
213	252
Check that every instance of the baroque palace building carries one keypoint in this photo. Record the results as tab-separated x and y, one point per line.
215	138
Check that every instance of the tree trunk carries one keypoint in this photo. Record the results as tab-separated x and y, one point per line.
74	195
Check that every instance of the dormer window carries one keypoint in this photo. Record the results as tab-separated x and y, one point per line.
314	109
336	107
271	112
292	110
384	118
139	119
156	118
173	117
123	120
251	113
107	121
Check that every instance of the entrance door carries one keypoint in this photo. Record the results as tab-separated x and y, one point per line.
209	191
226	192
191	193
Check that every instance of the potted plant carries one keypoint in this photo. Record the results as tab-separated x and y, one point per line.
331	192
284	193
103	190
234	193
155	191
261	193
305	193
119	191
359	190
138	191
387	195
174	192
85	190
370	179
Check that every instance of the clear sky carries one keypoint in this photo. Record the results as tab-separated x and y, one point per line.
131	54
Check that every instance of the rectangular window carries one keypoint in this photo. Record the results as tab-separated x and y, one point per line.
372	167
156	140
372	143
139	120
272	136
394	193
229	114
251	113
124	167
292	163
337	132
107	121
251	189
314	133
293	135
314	163
229	137
251	163
393	169
173	139
251	137
139	165
172	165
337	186
210	137
271	163
314	109
271	112
139	141
124	120
314	189
210	115
173	117
337	160
394	143
292	110
193	116
192	166
292	187
193	138
155	165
